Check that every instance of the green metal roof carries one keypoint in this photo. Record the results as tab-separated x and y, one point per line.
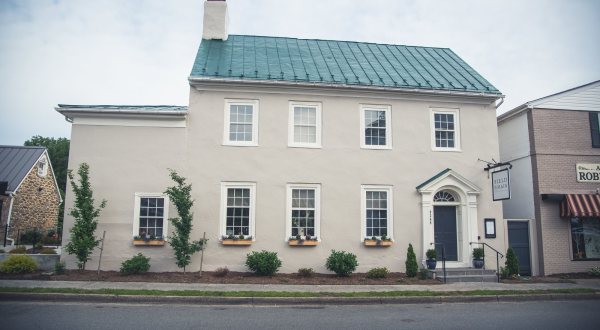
336	62
432	178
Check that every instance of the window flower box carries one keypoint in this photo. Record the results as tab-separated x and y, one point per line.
378	242
303	241
236	240
150	242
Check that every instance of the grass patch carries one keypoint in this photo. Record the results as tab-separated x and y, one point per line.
196	293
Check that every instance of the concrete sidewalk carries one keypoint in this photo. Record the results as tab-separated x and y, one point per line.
467	286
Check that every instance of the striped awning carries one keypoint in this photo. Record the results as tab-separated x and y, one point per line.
580	205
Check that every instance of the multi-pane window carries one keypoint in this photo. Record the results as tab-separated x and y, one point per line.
595	128
375	127
303	210
238	211
150	216
237	208
305	125
377	211
445	130
241	121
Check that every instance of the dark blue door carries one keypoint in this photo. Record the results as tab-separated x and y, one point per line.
518	240
444	228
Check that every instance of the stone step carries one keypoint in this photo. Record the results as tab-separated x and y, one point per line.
464	275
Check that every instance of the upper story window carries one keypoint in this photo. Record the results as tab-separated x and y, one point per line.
305	125
150	215
42	167
241	123
445	130
303	210
375	127
595	128
237	208
377	212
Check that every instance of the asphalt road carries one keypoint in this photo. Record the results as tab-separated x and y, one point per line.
525	315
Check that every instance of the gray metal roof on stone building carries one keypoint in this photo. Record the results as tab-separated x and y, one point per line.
15	163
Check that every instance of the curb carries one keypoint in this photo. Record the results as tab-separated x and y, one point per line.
287	301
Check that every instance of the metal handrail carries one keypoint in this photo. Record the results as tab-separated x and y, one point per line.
443	258
497	258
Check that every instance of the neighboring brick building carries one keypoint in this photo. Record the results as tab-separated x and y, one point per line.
553	144
32	198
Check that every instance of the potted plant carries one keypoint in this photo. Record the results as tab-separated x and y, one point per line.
382	241
431	255
300	240
478	257
148	240
236	240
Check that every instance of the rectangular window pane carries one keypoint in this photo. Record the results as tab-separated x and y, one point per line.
240	122
585	237
151	217
305	124
376	213
444	130
303	212
238	211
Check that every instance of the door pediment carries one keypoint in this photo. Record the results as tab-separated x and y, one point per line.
446	178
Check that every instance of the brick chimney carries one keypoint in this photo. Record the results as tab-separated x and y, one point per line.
216	20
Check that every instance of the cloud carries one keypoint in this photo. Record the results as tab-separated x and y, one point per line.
141	52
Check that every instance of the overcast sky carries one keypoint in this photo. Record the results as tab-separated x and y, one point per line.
141	52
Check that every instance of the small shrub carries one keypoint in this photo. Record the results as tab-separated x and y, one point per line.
2	251
221	271
31	236
38	246
431	254
478	253
512	263
18	250
504	273
59	268
263	263
595	271
341	262
411	262
46	250
305	272
423	273
138	264
18	265
379	272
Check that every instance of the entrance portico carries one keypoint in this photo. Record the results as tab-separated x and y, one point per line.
449	216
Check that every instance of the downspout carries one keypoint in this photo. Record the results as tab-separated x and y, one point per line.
499	104
12	198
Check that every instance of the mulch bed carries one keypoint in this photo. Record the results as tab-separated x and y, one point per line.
230	278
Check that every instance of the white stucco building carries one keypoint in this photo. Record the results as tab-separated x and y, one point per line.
338	141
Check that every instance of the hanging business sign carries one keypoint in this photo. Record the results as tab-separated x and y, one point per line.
501	185
588	172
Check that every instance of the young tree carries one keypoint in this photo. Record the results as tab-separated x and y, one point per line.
511	263
180	196
411	262
85	214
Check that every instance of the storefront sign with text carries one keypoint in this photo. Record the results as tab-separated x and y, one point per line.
501	185
588	172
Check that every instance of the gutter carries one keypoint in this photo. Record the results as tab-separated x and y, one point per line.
196	80
70	113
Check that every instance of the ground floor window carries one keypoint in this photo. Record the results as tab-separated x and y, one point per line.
585	237
303	209
376	211
238	208
150	218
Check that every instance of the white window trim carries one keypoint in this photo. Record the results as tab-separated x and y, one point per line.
291	142
288	212
136	213
223	216
363	209
255	112
455	112
388	125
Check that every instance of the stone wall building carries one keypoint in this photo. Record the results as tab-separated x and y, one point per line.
31	199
